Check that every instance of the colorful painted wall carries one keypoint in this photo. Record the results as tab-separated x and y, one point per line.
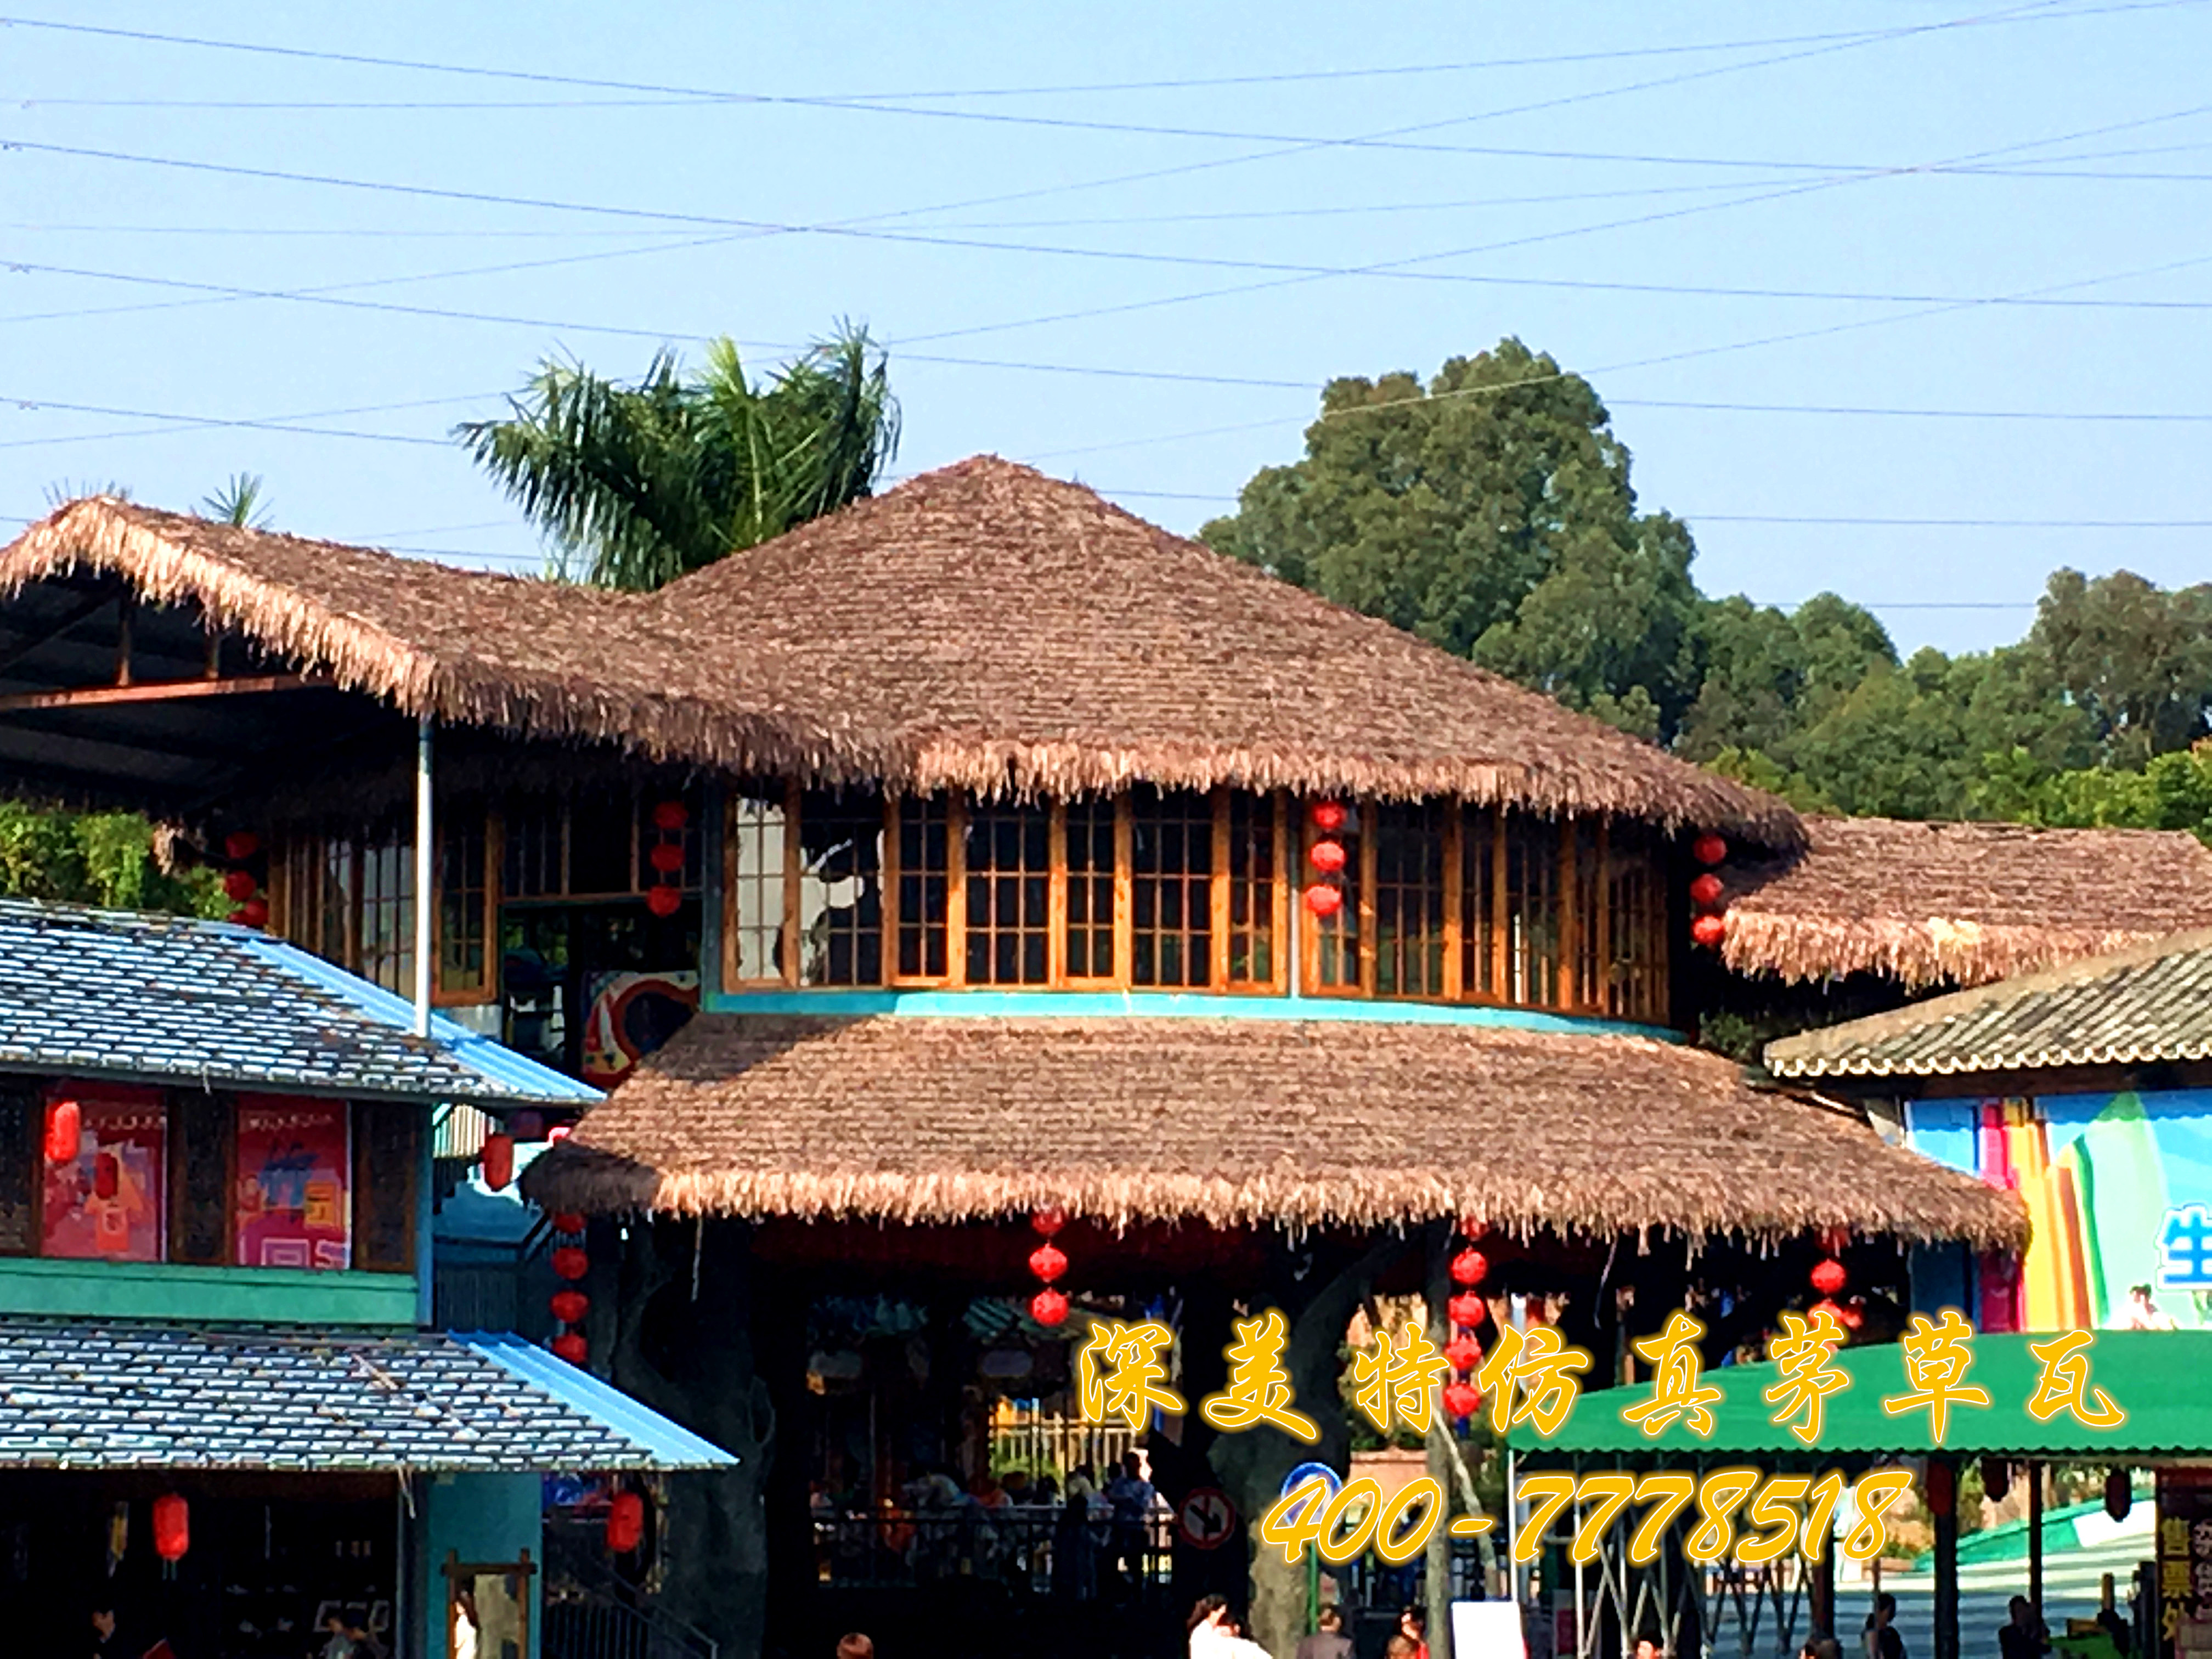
2119	1187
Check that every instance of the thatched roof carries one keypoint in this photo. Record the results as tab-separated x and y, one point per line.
1959	903
2145	1005
982	627
1233	1121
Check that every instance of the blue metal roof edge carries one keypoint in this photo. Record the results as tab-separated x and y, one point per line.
670	1444
516	1078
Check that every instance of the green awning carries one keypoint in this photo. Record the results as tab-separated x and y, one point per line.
2161	1379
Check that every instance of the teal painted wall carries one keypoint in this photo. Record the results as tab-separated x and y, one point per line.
479	1518
167	1290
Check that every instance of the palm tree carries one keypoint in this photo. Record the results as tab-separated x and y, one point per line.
240	502
645	483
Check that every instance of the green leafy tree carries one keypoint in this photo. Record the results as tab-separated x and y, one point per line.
1490	512
94	858
643	483
2136	658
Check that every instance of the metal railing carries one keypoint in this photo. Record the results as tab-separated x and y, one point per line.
1040	1546
590	1614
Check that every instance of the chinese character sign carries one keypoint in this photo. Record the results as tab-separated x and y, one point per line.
295	1204
2184	1549
106	1203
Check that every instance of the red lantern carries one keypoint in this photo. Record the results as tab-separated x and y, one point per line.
1473	1226
1853	1314
1829	1277
1326	856
569	1306
2119	1494
663	900
1835	1240
1464	1352
1048	1263
239	886
1710	930
571	1263
667	858
1825	1306
1709	848
64	1131
570	1346
237	918
1326	816
1323	900
1469	1311
1462	1400
254	913
173	1527
670	816
1706	889
1942	1489
240	845
1469	1268
498	1160
625	1522
1048	1308
1050	1220
568	1221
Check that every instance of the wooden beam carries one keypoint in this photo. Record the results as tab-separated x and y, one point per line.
98	696
98	602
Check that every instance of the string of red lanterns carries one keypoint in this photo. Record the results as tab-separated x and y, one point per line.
1467	1309
625	1522
1325	898
172	1528
665	897
569	1304
1707	892
1829	1276
1048	1307
240	884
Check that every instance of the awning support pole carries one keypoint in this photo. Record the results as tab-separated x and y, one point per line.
425	877
2035	1539
1947	1570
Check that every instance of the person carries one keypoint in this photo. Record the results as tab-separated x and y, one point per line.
1131	1496
1074	1563
853	1645
1882	1641
1402	1646
1647	1647
1328	1641
1214	1634
2022	1635
1414	1625
2142	1313
1820	1645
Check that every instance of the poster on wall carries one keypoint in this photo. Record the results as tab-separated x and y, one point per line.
630	1016
294	1161
105	1203
2119	1187
2185	1559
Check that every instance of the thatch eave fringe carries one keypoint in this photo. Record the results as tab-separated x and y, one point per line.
1917	954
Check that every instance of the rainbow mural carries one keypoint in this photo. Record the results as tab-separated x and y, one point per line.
2119	1187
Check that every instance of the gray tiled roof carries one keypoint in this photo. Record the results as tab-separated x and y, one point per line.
77	1395
2140	1007
119	994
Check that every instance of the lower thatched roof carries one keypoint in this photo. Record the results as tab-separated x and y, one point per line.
1959	903
1237	1122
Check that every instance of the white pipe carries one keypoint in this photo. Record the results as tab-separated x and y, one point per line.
426	876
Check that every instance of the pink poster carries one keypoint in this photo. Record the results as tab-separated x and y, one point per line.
105	1203
294	1161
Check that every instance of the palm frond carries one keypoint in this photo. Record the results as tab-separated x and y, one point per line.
242	501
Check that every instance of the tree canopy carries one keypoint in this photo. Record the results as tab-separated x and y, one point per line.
643	483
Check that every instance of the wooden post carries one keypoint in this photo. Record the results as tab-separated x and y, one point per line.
1437	1551
1947	1565
2035	1539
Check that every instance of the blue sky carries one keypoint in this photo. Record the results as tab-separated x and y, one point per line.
1987	211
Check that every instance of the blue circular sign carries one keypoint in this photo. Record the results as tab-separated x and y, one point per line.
1332	1482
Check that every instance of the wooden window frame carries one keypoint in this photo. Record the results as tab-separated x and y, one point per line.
1116	977
1277	805
956	898
786	933
495	852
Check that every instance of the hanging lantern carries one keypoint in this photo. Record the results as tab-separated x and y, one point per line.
572	1347
236	918
1829	1277
670	816
1470	1309
1709	931
240	845
1326	856
1048	1263
1469	1268
64	1131
498	1160
239	886
2119	1494
1472	1227
1462	1400
663	900
1829	1308
1464	1352
1706	889
571	1263
1323	900
1326	816
254	913
1854	1313
625	1522
1942	1489
1048	1220
569	1306
1996	1478
173	1527
1048	1308
1709	848
1835	1240
568	1221
667	858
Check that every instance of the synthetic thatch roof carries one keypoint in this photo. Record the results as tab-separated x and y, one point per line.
2147	1005
981	627
1959	903
1232	1121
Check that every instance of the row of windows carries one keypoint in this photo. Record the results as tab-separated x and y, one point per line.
1168	891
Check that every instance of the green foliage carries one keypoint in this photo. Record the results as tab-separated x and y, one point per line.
2172	791
643	483
2135	659
94	858
241	502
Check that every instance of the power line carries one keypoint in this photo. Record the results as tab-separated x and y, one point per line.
1950	524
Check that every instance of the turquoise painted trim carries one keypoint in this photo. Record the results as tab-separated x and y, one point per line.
171	1291
1166	1005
